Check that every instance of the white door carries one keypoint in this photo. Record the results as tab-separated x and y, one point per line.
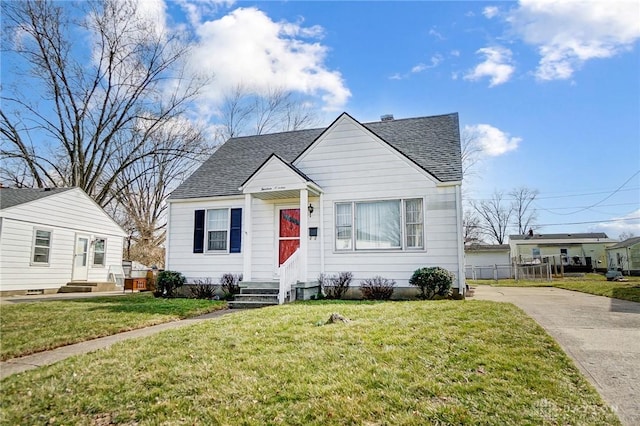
81	258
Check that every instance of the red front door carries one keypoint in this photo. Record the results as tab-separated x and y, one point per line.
289	234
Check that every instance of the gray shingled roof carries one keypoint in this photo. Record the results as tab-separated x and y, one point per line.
626	243
592	235
10	197
433	143
486	247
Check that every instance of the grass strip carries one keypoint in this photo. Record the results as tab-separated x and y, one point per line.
38	326
590	283
404	363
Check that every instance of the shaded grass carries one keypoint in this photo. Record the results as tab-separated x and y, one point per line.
591	283
412	363
37	326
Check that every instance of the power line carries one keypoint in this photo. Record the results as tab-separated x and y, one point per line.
592	221
601	201
560	196
580	207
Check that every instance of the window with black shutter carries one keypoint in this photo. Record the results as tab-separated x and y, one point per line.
198	231
235	238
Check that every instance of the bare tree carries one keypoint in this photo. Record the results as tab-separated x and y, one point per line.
249	112
470	152
92	110
626	235
524	213
471	227
143	188
494	216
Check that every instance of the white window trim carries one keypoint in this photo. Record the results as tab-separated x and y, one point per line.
32	262
403	212
206	231
93	250
403	227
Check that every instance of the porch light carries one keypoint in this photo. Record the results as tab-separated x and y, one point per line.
310	208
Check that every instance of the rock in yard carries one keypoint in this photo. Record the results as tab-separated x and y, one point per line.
337	318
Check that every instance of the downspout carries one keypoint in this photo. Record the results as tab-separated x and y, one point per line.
167	239
461	277
321	232
248	239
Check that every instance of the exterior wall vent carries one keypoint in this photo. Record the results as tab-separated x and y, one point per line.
386	117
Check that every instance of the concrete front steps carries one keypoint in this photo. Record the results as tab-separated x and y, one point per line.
256	295
87	287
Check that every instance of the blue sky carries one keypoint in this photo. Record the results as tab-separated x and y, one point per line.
550	90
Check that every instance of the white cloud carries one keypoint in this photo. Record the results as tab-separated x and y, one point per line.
490	12
247	48
620	224
434	62
497	65
455	53
569	33
490	140
436	34
197	10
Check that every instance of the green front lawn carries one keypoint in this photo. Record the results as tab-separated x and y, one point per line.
412	363
591	283
37	326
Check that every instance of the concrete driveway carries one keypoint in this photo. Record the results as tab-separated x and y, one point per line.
602	335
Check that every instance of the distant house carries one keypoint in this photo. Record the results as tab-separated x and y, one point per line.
379	198
487	261
50	237
625	256
574	252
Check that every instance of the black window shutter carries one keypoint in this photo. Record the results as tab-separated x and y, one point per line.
198	232
236	231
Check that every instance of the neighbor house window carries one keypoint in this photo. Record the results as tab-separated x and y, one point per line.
380	225
99	252
535	252
41	246
217	229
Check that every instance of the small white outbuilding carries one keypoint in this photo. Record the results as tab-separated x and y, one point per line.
53	236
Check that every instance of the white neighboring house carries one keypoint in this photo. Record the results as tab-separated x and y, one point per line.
50	237
381	198
488	261
625	256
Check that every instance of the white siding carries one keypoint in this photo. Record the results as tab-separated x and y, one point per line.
487	258
65	215
180	256
351	165
274	174
264	245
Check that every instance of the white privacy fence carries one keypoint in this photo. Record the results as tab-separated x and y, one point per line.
489	272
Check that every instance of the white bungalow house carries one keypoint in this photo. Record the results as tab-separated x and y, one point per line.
379	198
625	256
54	236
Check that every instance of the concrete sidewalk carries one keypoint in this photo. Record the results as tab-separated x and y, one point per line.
29	362
601	335
59	296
